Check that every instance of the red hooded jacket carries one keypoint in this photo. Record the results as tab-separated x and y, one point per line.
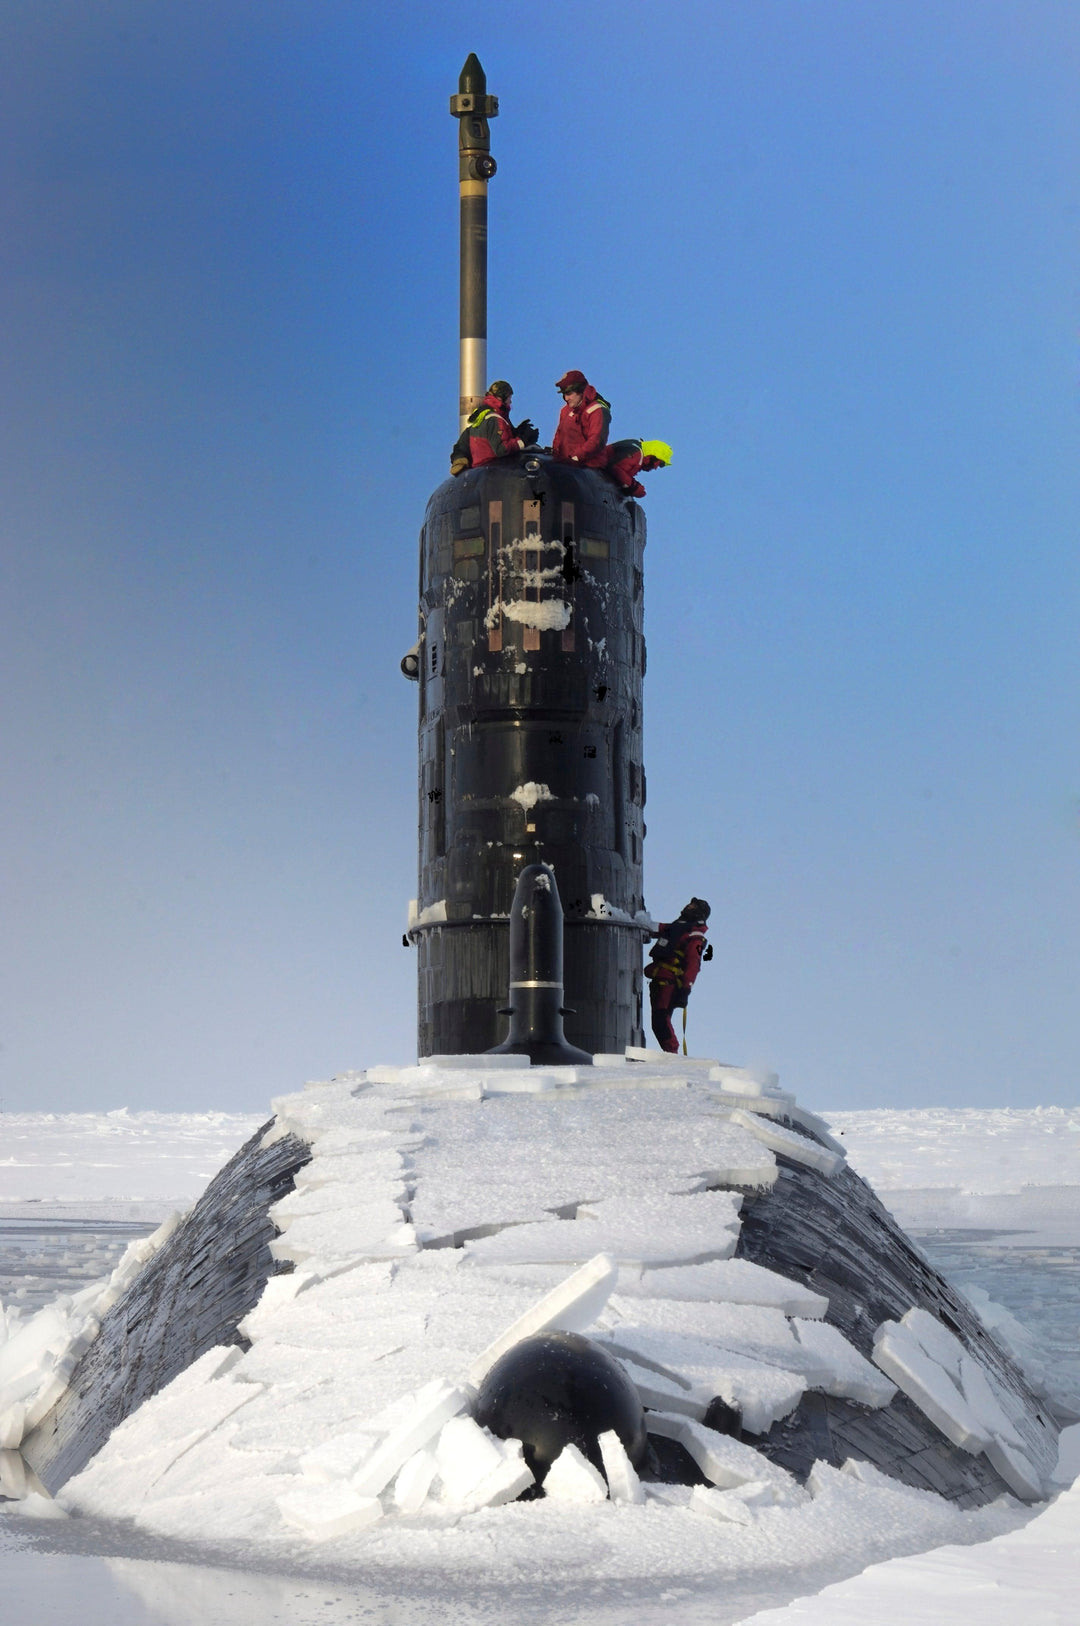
676	955
583	431
490	435
625	462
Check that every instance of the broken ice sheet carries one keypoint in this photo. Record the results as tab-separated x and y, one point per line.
727	1281
466	1454
658	1391
746	1329
372	1230
428	1410
724	1462
338	1457
596	1146
570	1307
762	1394
414	1481
902	1358
652	1229
846	1373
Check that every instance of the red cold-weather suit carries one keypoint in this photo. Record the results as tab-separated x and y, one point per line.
675	965
581	436
490	434
625	462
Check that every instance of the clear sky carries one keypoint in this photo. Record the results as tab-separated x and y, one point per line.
827	250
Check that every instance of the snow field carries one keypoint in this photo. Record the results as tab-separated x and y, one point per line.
971	1151
994	1169
1026	1575
151	1162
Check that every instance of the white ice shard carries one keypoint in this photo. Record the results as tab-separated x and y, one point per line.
760	1392
414	1481
798	1147
572	1478
570	1307
901	1356
723	1461
620	1473
728	1281
465	1454
432	1406
848	1374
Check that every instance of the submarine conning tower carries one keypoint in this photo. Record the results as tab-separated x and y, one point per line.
530	663
531	658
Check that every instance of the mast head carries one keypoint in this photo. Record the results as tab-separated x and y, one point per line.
472	80
472	96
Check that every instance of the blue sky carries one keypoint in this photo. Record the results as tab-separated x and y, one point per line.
827	250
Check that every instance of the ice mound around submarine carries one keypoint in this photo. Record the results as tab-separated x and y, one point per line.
450	1211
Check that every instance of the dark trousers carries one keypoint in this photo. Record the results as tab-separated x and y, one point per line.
664	997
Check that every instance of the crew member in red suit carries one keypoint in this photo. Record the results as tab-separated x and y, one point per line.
627	458
582	432
676	960
489	434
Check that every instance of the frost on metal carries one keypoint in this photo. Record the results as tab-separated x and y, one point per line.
546	615
527	795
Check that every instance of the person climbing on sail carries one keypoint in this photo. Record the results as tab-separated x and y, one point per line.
582	431
489	434
676	958
627	458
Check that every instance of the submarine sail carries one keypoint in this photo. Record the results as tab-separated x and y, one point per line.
530	663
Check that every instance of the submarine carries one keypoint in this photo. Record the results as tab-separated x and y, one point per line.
530	662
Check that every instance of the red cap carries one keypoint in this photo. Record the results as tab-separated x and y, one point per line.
573	380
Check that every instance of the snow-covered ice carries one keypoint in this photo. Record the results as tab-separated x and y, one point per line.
958	1394
38	1352
1027	1575
122	1164
266	1452
999	1168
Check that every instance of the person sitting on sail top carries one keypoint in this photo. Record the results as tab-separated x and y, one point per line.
488	433
626	459
582	432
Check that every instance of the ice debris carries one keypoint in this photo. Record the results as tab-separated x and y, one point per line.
621	1475
959	1395
426	1238
39	1354
572	1478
